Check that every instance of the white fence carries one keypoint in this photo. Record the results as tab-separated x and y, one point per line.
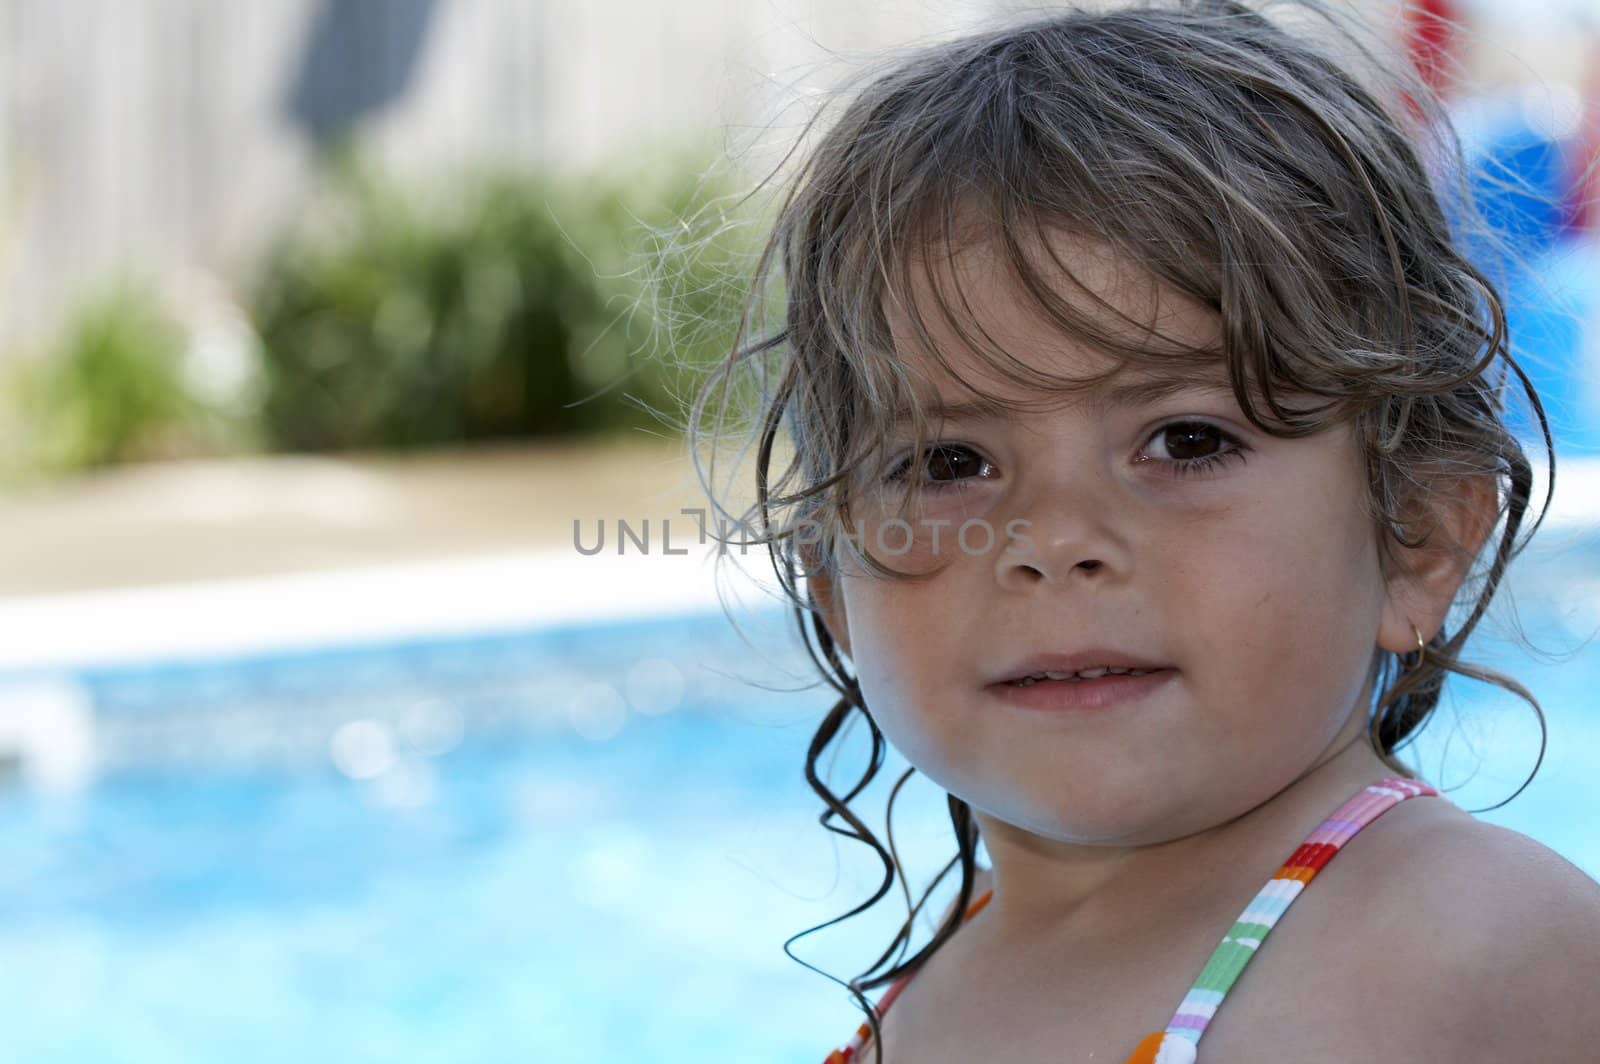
165	135
169	136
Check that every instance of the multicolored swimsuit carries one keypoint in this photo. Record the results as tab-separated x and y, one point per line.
1179	1042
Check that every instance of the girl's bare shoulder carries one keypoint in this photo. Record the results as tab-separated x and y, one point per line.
1450	938
1509	931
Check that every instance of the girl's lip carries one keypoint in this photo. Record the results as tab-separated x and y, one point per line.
1105	692
1075	661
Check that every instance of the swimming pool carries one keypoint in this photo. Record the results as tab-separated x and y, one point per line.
576	840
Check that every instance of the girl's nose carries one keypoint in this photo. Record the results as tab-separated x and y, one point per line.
1036	571
1057	539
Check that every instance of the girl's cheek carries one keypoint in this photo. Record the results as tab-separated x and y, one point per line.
932	530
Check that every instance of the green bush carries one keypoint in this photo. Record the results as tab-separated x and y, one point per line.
115	388
505	305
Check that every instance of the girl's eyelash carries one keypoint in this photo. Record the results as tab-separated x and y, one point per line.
1190	466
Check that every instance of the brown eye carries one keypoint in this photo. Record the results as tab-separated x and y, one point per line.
1187	440
942	465
951	463
1192	446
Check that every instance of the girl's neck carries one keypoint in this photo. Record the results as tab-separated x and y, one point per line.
1104	892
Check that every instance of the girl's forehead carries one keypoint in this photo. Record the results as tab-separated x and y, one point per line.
974	298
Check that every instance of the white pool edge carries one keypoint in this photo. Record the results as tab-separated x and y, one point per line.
372	604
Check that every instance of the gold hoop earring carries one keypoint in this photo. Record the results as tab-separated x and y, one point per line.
1422	649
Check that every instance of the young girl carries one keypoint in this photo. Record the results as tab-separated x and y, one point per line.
1144	422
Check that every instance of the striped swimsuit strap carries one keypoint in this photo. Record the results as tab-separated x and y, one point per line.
1179	1042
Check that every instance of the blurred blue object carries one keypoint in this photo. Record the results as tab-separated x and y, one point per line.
1519	180
1546	271
1551	314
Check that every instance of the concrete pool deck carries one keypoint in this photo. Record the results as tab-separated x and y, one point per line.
180	522
222	557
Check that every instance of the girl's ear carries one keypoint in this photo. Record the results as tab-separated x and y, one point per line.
1428	576
823	591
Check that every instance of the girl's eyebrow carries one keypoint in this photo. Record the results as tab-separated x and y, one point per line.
1097	401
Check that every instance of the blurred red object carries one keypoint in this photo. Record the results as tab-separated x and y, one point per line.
1431	34
1583	210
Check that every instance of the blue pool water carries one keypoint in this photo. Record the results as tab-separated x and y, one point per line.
578	843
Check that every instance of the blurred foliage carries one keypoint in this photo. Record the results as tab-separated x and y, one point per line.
502	304
114	388
495	304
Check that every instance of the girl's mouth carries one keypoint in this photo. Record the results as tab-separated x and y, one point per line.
1090	689
1078	677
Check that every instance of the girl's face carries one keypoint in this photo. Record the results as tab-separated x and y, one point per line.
1251	572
